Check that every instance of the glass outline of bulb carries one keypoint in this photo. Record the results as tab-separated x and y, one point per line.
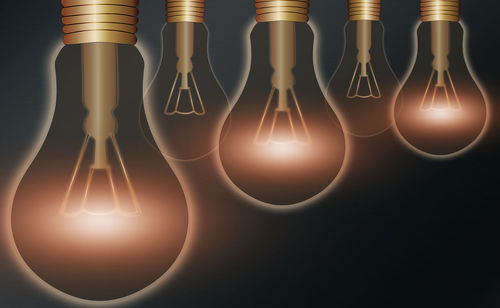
277	24
102	53
364	59
185	72
444	31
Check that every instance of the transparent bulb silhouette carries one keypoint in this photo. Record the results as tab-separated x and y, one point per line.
440	110
283	144
185	104
363	87
98	215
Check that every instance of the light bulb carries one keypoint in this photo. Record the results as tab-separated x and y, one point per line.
185	104
283	144
440	110
363	87
98	215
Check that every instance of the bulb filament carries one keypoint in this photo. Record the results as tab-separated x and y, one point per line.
100	98
282	129
441	99
92	170
364	83
184	80
286	127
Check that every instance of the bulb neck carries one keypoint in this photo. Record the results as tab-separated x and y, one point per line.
185	11
364	10
282	10
440	10
100	21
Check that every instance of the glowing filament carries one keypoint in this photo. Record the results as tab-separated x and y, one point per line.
100	96
282	130
439	98
107	168
286	133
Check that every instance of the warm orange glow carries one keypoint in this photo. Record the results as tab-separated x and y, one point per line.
114	250
443	130
105	249
98	209
441	96
282	151
274	154
90	251
101	228
281	126
281	147
106	188
442	116
292	169
440	119
443	112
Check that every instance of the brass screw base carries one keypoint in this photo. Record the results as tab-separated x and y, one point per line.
364	10
100	21
185	11
440	10
282	10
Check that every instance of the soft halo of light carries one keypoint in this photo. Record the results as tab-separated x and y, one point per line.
441	115
99	227
282	151
474	77
38	142
234	99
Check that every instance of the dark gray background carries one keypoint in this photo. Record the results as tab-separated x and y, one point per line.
411	233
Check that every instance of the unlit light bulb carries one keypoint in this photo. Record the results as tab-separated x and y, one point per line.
364	86
185	105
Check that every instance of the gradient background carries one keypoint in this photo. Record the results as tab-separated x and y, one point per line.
398	231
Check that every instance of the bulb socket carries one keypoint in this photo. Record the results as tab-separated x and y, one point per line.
185	11
364	10
282	10
100	21
440	10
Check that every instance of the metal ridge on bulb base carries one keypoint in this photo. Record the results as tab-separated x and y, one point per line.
440	10
282	10
100	21
185	11
364	10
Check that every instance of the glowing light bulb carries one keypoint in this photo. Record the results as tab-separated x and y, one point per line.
282	143
98	215
363	87
440	110
185	104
